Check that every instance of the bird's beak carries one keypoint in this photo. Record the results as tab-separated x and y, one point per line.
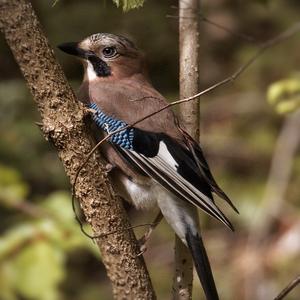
73	49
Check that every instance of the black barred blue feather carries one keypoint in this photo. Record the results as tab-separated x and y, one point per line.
158	148
123	138
163	159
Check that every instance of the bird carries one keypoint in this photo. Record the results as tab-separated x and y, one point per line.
154	163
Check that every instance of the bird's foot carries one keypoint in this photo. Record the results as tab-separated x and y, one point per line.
144	239
91	110
108	168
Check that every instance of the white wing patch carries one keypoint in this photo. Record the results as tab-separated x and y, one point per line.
165	155
163	169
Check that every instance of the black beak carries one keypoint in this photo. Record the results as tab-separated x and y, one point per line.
73	49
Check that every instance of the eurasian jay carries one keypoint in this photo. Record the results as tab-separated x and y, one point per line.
156	163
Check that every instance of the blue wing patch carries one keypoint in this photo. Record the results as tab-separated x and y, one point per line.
123	138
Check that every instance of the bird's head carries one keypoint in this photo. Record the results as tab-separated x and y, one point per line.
106	56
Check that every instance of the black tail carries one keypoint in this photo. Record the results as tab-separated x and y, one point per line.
202	265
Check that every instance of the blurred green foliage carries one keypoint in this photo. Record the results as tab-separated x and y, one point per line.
12	188
33	252
43	254
129	4
284	95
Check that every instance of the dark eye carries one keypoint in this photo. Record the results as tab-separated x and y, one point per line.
109	52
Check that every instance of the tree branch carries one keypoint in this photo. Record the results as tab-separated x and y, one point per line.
63	125
291	31
279	176
274	196
189	116
288	288
295	28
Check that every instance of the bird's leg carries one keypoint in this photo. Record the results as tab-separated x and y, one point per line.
143	240
108	168
91	110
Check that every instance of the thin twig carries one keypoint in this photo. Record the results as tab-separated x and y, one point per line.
29	209
242	36
128	228
288	288
102	235
262	48
54	3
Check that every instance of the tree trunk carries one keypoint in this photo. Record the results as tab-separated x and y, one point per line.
189	116
63	126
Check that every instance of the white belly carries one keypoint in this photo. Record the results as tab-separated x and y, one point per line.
178	213
142	196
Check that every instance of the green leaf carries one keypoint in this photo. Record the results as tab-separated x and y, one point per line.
12	241
33	253
59	205
12	188
67	233
6	285
129	4
39	271
54	3
284	95
29	263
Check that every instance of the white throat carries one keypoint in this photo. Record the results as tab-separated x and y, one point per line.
91	74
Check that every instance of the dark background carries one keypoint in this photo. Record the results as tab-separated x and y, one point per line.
43	255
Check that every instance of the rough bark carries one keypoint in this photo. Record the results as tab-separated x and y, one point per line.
189	64
189	116
63	126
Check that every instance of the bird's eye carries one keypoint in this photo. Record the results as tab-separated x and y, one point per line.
109	52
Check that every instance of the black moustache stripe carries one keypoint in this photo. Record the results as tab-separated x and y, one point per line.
100	67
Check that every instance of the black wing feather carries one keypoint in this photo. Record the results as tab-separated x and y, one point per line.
202	265
185	182
203	168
